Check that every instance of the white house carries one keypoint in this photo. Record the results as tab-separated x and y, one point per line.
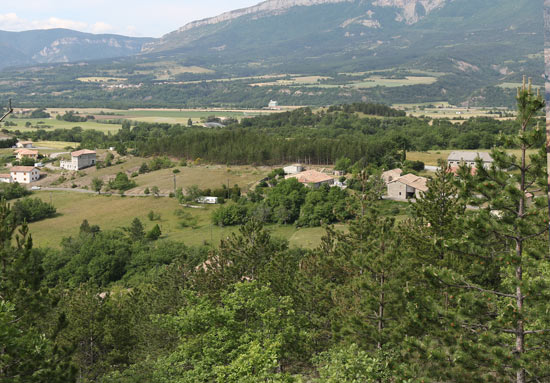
407	186
456	158
5	178
24	174
313	178
24	144
293	169
208	200
79	160
274	105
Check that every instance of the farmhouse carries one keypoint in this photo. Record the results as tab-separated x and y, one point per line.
26	153
312	178
24	144
5	178
79	160
24	174
469	158
407	186
208	200
293	169
390	175
273	105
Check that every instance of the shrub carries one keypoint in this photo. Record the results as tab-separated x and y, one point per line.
32	209
230	215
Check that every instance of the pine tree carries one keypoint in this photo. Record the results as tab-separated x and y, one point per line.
491	266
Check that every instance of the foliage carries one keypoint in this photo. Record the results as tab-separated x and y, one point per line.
32	209
233	214
353	365
154	233
12	191
121	182
242	339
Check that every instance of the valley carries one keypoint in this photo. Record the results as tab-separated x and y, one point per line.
297	191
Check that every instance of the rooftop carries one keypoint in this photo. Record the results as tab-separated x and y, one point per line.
26	151
311	177
79	153
469	156
22	169
392	172
413	181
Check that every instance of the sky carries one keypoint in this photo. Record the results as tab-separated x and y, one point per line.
151	18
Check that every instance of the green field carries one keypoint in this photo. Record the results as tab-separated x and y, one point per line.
374	81
57	124
116	212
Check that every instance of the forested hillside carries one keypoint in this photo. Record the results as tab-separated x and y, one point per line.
298	136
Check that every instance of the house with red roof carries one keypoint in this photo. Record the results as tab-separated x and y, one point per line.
79	160
312	178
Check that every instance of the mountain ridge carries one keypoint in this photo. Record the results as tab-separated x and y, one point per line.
59	45
407	11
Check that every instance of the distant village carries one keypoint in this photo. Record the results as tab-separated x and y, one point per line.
399	186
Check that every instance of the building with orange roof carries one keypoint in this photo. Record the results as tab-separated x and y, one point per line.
79	160
407	186
313	178
26	153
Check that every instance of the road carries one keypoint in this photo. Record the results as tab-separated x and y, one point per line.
87	191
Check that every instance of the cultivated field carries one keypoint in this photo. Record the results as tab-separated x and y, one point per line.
53	123
373	81
101	79
444	110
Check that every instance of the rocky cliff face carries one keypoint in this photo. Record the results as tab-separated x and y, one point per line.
266	8
65	49
406	11
411	11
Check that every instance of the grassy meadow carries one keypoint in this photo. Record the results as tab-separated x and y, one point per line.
112	212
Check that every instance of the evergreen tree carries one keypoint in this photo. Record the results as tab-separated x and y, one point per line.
489	265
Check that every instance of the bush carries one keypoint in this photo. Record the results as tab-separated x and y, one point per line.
230	215
32	209
12	191
155	233
121	182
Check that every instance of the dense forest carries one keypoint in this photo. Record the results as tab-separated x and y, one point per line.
458	292
369	133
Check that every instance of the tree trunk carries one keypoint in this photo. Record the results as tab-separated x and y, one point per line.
381	311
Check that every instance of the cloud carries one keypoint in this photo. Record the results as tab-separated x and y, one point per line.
101	27
12	22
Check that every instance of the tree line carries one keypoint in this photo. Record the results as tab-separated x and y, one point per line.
297	136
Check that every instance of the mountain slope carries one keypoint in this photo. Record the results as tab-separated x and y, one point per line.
315	52
63	45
